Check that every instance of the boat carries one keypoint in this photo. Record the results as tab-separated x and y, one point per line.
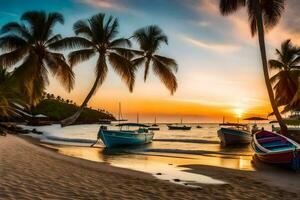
179	126
198	126
276	149
234	134
115	138
154	126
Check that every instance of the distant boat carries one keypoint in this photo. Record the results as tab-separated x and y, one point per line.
114	138
179	126
234	134
276	149
198	126
154	126
155	122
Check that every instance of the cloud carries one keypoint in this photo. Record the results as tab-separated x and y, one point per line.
8	13
106	4
219	47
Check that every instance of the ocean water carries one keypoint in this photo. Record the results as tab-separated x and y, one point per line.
167	157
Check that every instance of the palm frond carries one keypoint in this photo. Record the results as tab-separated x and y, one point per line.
82	55
81	27
70	43
124	68
275	64
53	39
120	42
9	59
101	70
165	74
167	61
138	61
11	42
127	53
18	29
61	70
272	11
229	6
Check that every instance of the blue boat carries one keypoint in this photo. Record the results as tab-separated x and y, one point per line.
115	138
235	134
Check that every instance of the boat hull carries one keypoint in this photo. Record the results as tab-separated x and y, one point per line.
233	137
113	138
185	128
288	156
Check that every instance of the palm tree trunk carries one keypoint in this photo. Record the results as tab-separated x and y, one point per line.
262	46
147	65
70	120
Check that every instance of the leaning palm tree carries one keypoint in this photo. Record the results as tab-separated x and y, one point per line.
263	15
150	40
29	44
97	36
285	81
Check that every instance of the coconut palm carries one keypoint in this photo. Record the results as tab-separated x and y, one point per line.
9	95
150	40
285	81
28	43
97	36
263	15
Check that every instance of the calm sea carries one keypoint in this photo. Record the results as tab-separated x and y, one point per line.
165	157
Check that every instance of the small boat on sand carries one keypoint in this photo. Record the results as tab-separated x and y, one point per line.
114	138
276	149
234	134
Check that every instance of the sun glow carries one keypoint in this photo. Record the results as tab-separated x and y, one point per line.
238	112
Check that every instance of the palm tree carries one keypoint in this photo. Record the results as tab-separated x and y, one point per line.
9	95
262	14
29	44
98	36
150	40
285	81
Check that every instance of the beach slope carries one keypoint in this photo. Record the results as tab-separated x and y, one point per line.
29	171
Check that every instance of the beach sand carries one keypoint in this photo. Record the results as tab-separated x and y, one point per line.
29	171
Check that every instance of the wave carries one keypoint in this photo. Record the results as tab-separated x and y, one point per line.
77	140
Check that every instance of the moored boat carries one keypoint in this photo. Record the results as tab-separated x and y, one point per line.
154	128
114	138
276	149
234	134
179	127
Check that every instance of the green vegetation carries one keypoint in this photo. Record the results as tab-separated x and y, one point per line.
56	110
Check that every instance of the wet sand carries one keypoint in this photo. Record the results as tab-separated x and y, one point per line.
29	171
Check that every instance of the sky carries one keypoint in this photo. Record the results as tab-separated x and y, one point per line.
220	72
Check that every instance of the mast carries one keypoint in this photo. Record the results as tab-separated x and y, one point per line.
137	118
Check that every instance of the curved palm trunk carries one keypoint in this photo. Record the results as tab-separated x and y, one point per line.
261	38
70	120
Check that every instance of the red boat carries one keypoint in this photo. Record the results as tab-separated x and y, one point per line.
276	149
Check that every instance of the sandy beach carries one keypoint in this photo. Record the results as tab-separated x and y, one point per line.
29	171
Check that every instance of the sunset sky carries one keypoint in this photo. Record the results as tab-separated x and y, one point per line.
219	74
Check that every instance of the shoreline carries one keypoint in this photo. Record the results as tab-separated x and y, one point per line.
30	171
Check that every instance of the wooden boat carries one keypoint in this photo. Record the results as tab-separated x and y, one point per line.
276	149
234	134
154	128
114	138
179	127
